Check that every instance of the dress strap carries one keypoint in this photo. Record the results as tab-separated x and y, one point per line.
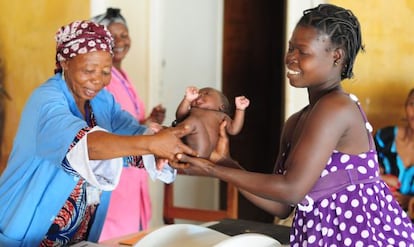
368	126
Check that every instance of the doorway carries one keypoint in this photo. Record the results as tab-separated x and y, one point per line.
253	65
245	50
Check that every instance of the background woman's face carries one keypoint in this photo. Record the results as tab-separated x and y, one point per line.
87	74
409	110
122	41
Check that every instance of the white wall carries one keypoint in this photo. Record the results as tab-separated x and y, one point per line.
186	38
190	49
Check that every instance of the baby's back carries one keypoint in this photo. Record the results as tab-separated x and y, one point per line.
205	125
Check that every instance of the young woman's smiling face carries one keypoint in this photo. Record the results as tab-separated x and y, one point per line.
86	74
310	58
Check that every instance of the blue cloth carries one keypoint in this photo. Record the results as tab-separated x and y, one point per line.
391	161
34	186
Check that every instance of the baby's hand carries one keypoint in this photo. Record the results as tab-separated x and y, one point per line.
191	93
241	103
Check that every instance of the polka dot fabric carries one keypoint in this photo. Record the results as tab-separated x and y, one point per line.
359	215
364	214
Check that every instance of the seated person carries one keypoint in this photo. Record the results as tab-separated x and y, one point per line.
395	146
203	110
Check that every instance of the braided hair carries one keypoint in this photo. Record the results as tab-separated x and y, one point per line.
343	28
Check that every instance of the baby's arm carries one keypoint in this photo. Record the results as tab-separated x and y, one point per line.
235	125
191	93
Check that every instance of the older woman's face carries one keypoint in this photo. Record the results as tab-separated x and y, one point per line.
86	74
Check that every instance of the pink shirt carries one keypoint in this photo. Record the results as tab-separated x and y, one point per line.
125	94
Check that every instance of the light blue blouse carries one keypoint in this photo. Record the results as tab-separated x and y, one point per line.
34	186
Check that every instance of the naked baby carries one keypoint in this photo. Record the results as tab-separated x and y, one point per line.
203	111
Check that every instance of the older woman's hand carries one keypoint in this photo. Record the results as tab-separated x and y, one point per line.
203	167
199	166
167	143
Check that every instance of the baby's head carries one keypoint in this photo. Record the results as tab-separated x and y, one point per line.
212	99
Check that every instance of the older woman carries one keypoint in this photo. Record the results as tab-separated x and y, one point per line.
70	146
121	218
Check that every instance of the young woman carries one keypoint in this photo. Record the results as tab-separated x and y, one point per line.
327	166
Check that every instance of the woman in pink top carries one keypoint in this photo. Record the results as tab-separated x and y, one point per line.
125	218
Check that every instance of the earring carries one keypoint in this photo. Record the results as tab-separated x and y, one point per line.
63	74
336	63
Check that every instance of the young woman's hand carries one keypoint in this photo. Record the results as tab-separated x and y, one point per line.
222	150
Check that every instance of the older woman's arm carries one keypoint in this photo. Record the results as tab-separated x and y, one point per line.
165	144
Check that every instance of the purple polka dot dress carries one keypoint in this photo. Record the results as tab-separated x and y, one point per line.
359	212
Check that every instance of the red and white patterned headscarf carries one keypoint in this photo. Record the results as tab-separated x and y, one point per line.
80	37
